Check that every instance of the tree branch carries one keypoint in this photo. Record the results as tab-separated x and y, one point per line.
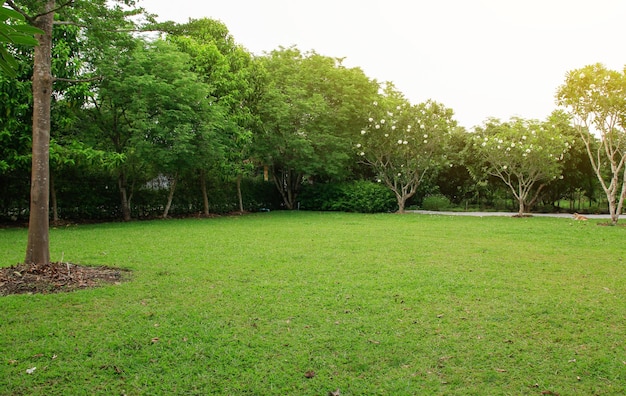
80	80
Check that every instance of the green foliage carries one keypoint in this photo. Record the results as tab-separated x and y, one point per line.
596	99
309	108
383	304
436	202
402	143
525	154
357	196
14	31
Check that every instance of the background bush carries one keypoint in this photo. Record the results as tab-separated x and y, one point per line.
436	202
356	196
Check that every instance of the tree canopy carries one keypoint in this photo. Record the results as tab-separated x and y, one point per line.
596	98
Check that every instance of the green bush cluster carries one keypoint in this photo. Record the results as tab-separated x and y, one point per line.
360	196
436	202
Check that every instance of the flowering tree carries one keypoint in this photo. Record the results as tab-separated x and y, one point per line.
525	154
403	142
596	98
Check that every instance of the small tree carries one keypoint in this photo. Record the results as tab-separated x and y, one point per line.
403	142
596	98
524	154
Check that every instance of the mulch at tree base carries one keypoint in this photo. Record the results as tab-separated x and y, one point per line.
56	278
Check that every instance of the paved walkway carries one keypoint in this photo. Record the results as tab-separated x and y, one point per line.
505	214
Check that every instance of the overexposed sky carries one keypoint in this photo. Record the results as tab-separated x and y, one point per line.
482	58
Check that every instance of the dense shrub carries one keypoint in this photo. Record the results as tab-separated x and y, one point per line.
356	196
436	202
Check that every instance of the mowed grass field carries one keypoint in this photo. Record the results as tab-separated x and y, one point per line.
302	303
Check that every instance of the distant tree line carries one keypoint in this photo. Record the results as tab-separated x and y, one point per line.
186	121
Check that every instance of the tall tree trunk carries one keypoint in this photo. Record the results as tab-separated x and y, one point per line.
205	196
38	246
125	200
239	195
53	200
170	197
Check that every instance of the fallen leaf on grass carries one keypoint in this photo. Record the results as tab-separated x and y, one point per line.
31	370
549	392
501	370
334	393
154	340
374	341
12	361
309	374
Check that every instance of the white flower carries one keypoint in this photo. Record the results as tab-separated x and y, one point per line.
405	142
425	136
370	119
378	180
363	132
393	127
398	107
358	145
513	144
377	126
505	167
425	141
528	150
484	144
386	135
375	103
524	137
399	174
361	153
400	141
382	121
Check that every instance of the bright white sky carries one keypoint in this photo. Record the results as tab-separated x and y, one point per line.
482	58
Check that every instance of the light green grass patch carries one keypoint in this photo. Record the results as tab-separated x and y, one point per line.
372	304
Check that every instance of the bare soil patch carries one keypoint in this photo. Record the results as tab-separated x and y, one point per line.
56	278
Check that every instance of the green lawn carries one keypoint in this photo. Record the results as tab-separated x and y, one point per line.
368	304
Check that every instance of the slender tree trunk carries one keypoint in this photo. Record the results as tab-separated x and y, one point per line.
125	200
522	208
38	246
170	197
401	203
205	196
53	200
239	195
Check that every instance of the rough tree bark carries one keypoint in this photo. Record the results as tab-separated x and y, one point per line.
38	246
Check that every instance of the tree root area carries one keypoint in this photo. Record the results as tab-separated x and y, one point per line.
56	278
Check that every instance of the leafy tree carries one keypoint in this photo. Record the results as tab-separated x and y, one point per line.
231	74
155	116
311	106
402	143
524	154
596	99
40	14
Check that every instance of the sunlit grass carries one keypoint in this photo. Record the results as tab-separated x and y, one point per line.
369	304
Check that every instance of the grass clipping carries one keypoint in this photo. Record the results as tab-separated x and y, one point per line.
56	278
